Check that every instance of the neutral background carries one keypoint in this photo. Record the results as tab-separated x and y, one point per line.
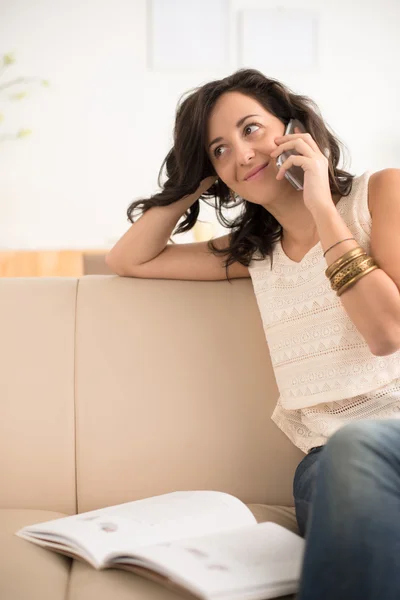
103	127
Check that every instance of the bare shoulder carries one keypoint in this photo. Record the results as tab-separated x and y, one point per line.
381	183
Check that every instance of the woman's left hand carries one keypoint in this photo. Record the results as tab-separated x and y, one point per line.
316	190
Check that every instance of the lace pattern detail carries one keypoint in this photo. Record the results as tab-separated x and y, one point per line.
324	369
313	426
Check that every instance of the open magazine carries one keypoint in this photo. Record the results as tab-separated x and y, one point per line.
204	543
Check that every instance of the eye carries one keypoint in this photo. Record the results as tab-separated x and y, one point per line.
216	153
250	126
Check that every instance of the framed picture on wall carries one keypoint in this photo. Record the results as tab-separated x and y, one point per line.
187	34
278	39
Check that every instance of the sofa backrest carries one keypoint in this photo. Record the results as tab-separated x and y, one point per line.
37	431
168	383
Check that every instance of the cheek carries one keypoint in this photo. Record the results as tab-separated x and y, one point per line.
223	170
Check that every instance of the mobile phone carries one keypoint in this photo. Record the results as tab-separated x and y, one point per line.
295	175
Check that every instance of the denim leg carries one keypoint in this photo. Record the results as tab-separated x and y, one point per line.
353	536
303	487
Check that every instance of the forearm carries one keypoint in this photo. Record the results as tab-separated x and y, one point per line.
149	235
373	302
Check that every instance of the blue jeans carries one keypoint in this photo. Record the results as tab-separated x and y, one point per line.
347	499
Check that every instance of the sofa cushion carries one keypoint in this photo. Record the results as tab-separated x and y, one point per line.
28	572
162	405
37	428
282	515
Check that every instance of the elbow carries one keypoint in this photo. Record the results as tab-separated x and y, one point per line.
113	265
390	346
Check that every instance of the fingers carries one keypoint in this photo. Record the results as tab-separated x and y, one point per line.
207	183
295	159
305	137
298	144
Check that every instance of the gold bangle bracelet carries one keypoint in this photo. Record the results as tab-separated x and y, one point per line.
357	265
355	279
343	260
349	272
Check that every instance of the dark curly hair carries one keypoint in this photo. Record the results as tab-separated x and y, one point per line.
187	163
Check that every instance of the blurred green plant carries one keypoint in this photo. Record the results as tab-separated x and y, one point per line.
6	62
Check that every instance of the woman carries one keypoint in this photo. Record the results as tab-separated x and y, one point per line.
325	266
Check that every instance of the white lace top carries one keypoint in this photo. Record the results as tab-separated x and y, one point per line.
324	369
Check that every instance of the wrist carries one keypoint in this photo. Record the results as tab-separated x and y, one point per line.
332	229
325	211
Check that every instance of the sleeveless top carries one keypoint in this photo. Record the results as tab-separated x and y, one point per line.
324	369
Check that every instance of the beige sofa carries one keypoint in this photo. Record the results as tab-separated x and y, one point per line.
115	389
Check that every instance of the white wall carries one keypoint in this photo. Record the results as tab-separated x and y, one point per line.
102	129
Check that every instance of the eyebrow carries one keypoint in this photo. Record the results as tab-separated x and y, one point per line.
238	124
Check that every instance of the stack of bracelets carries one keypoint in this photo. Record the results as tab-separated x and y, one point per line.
349	268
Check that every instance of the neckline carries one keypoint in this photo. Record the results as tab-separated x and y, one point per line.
295	262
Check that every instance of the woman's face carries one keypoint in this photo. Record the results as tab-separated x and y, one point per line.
240	136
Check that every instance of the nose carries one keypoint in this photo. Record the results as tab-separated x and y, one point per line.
244	153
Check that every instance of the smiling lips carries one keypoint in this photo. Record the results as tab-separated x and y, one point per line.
252	174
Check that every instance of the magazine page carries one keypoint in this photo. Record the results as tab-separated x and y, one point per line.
250	563
125	527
